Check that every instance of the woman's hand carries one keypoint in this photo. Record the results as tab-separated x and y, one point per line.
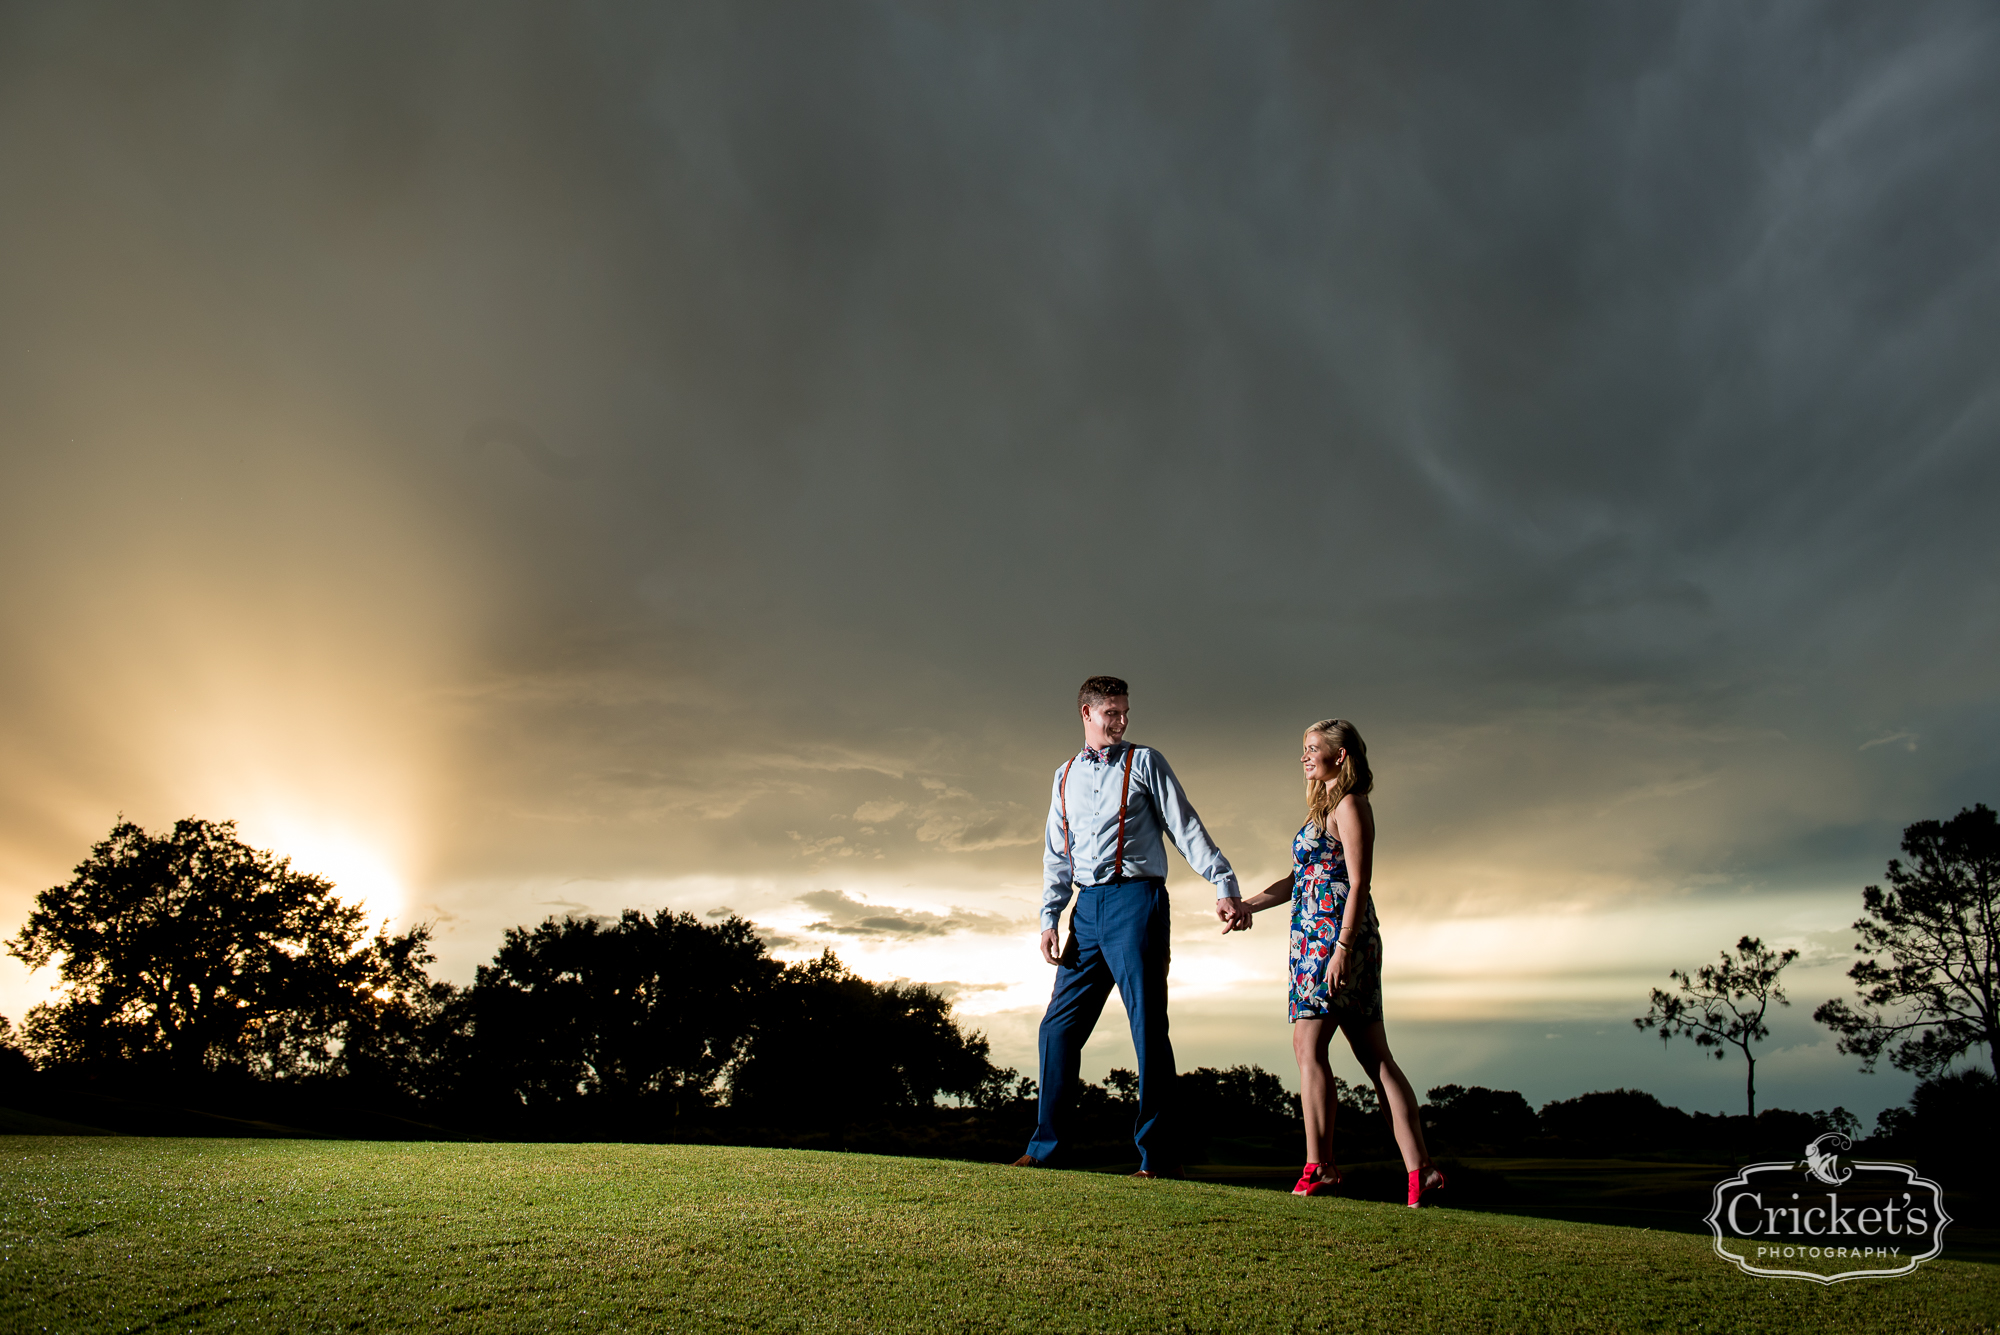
1338	968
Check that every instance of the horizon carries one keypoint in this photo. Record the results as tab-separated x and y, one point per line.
688	460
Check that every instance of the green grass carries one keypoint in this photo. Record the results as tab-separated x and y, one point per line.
114	1233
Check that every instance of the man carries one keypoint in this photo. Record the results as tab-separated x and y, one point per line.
1107	809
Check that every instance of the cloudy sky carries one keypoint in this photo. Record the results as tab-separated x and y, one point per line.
525	460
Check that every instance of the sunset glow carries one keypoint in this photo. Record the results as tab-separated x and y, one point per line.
600	465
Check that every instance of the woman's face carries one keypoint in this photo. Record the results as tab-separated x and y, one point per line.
1322	759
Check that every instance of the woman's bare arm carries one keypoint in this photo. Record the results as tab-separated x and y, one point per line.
1354	823
1276	893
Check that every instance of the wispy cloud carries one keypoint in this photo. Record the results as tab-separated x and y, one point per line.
952	991
579	912
844	915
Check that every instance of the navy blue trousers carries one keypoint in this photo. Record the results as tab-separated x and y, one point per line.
1118	938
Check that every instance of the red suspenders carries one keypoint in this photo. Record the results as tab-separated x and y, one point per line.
1118	863
1062	795
1124	796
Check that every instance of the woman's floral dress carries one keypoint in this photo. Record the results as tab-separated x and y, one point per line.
1319	901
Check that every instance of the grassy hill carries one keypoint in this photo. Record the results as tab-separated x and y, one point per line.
114	1234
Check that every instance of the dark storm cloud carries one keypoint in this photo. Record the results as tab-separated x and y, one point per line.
716	439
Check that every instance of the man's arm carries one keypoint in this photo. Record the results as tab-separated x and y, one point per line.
1058	871
1190	836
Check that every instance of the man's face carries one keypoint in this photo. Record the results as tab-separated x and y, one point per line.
1104	721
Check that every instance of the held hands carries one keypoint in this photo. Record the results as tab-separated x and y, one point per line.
1235	915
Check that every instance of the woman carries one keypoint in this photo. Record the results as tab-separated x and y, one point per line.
1336	973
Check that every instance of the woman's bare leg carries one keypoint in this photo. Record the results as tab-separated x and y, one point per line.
1316	1101
1371	1049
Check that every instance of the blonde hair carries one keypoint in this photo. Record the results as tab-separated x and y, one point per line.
1355	775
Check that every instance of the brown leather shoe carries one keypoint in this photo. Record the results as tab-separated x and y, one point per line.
1026	1161
1162	1174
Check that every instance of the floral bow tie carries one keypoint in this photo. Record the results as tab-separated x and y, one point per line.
1099	755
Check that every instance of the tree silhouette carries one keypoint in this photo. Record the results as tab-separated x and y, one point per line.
1606	1119
15	1065
635	1019
833	1048
191	953
1479	1116
397	1039
1939	928
1723	1005
1235	1094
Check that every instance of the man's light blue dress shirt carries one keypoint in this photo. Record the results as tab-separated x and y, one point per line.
1156	799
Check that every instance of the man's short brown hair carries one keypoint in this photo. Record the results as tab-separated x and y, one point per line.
1099	689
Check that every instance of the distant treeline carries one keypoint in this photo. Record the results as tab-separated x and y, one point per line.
1244	1114
209	988
640	1028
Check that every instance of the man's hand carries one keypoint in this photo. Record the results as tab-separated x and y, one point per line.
1235	917
1049	946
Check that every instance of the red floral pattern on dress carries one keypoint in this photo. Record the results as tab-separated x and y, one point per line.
1319	902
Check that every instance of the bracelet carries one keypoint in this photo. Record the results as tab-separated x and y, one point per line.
1340	945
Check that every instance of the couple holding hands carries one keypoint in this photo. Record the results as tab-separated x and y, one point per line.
1109	807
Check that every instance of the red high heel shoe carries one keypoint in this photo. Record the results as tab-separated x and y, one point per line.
1314	1180
1423	1180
